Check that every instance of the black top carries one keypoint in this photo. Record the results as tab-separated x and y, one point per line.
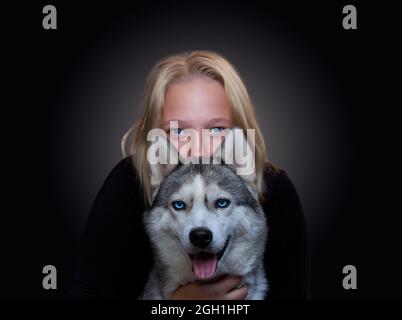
115	255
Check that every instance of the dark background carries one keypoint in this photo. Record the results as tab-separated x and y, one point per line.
327	100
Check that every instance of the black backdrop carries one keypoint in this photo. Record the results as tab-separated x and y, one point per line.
44	214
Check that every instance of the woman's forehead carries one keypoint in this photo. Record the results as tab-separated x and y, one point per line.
196	93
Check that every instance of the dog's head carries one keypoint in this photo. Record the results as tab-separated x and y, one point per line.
205	215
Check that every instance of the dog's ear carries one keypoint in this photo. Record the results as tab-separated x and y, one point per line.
238	152
162	157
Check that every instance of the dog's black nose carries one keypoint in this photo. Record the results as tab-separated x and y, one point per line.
200	237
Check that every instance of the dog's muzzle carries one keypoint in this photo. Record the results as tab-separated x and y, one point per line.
205	263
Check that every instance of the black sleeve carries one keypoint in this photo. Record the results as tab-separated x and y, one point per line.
114	253
287	253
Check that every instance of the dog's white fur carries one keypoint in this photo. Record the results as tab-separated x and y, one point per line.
169	232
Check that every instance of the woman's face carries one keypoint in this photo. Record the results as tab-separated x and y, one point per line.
198	103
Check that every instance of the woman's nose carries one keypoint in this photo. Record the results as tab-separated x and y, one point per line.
199	146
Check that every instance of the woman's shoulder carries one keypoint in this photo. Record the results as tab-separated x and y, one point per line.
281	201
273	174
123	170
124	165
277	182
122	179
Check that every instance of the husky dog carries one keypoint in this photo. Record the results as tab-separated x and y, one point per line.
205	221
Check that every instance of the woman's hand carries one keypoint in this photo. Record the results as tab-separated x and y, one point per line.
225	288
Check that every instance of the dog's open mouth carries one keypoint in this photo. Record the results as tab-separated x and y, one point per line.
205	263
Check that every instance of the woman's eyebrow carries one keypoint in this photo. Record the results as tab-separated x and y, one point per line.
208	123
180	122
216	120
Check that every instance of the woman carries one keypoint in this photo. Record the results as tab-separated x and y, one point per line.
200	90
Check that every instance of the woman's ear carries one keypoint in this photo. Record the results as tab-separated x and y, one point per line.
162	157
238	153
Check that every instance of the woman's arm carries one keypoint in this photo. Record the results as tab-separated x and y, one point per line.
114	255
287	255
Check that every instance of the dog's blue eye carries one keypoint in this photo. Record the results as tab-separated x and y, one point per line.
222	203
178	205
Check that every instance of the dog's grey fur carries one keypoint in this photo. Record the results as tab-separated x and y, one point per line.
243	222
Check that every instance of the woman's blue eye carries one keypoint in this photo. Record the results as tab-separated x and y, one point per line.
222	203
177	131
217	129
178	205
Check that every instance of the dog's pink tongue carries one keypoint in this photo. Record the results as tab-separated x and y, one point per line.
204	265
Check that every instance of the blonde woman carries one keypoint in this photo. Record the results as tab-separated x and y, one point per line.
200	90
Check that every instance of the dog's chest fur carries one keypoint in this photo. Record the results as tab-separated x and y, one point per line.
243	255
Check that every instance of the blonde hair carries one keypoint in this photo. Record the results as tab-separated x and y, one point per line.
179	67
